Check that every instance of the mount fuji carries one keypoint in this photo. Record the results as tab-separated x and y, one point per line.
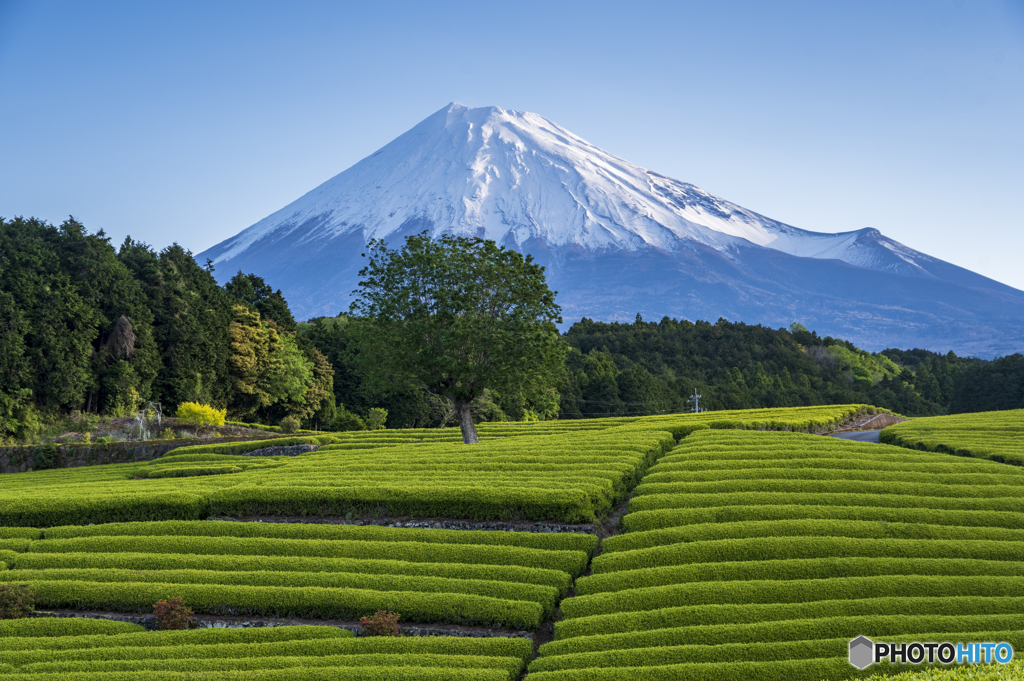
617	240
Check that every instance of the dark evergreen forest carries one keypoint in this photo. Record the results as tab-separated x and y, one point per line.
87	326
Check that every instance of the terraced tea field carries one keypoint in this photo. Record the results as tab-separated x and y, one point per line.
314	571
126	652
515	474
747	552
760	555
996	435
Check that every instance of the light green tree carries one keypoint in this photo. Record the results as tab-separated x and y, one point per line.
268	367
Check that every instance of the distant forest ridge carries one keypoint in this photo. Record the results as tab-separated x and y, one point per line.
619	368
88	326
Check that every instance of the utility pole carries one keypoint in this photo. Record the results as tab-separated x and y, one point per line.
695	398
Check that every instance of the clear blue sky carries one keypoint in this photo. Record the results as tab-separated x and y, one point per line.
189	121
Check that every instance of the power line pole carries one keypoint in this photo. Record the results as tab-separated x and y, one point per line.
695	398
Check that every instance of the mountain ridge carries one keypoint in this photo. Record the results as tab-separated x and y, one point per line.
591	218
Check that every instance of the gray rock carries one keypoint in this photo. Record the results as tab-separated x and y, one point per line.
290	450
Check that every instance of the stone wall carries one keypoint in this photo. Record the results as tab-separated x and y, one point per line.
27	458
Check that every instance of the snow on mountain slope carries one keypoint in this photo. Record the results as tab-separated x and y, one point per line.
617	239
511	176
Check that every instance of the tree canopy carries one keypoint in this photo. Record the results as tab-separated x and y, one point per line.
457	316
85	326
616	369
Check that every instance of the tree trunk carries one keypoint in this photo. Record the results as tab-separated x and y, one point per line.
466	422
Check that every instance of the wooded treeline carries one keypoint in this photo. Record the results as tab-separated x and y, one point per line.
651	367
87	326
642	368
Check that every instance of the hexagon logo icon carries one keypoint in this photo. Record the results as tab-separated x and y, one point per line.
862	652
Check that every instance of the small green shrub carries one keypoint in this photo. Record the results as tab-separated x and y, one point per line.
195	414
172	615
166	434
290	424
16	601
376	419
383	623
126	404
44	457
344	420
86	423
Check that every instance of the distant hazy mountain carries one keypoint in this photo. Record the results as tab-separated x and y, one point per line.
617	239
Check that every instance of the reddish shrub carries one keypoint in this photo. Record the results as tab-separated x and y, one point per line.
384	623
16	600
172	614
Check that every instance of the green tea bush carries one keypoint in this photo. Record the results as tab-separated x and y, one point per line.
791	591
652	502
563	541
572	562
278	601
848	627
790	670
546	596
863	529
793	568
20	533
782	548
739	613
729	652
20	650
204	651
564	477
641	521
510	667
49	627
368	673
362	568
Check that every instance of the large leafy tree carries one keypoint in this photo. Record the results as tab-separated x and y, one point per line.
457	316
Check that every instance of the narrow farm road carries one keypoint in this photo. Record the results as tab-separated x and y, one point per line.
859	435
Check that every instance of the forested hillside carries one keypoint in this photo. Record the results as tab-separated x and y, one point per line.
647	368
90	327
85	326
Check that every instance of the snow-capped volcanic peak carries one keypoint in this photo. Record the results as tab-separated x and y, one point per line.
511	176
616	239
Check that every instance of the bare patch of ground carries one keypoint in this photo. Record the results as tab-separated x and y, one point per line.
438	523
868	422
